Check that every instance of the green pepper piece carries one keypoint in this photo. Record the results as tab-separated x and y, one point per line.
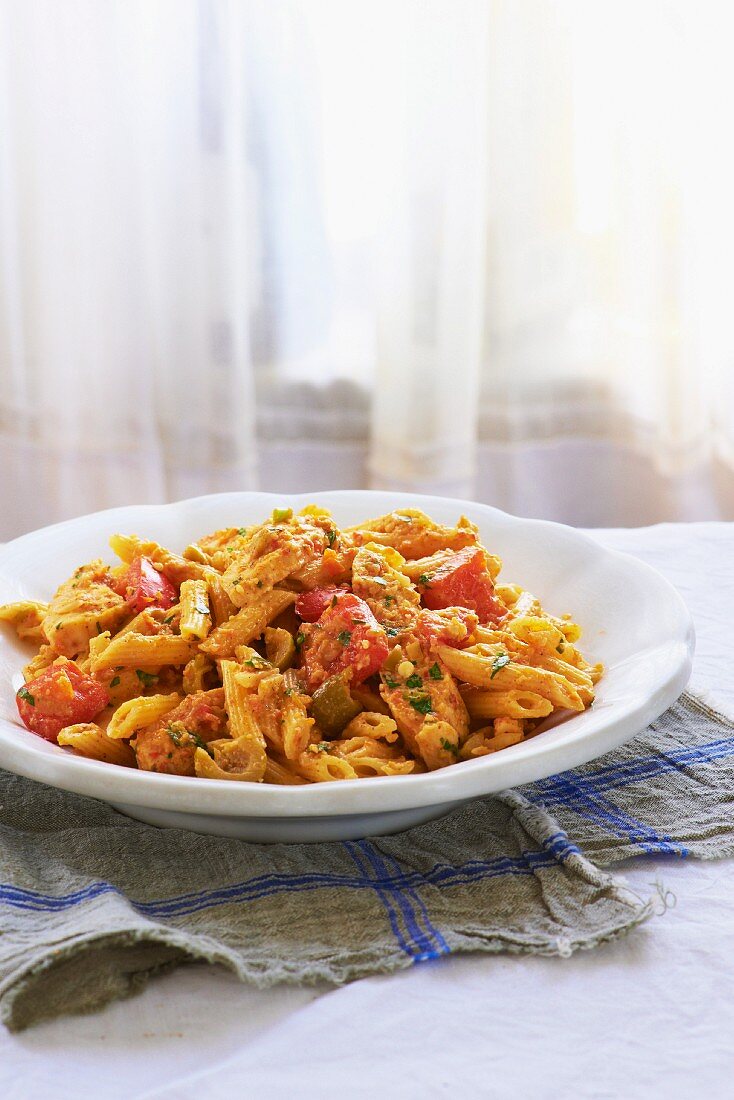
280	647
333	707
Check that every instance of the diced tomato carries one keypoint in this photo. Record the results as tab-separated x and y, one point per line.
146	587
310	606
347	636
452	626
61	695
463	581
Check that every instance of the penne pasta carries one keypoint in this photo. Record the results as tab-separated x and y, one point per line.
387	648
131	650
87	739
196	619
136	714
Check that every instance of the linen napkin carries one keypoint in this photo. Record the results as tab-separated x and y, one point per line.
93	904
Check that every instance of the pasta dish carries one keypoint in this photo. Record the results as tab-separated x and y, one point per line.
295	652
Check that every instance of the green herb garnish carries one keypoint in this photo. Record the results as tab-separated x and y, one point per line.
146	678
499	663
435	672
414	681
425	579
449	746
331	536
391	631
345	637
422	704
300	639
114	681
25	694
388	600
242	531
257	662
391	683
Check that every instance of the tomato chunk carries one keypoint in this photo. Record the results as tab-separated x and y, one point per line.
463	581
347	636
310	606
61	695
146	587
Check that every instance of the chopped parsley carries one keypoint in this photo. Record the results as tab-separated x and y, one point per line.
147	679
323	746
331	536
114	681
391	683
449	746
414	681
499	663
242	531
185	737
25	694
345	637
391	631
435	672
257	662
425	579
170	618
282	515
422	703
300	639
388	600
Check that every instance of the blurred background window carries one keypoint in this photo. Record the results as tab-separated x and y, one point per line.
482	249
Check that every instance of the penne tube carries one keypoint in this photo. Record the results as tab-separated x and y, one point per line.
242	722
145	651
196	619
497	674
247	624
135	714
87	739
276	772
505	704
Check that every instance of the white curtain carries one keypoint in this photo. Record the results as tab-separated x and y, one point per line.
476	248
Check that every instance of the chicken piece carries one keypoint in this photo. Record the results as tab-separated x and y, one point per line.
378	580
27	618
421	692
272	552
413	533
170	745
81	608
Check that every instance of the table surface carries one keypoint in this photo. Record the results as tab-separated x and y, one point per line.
650	1014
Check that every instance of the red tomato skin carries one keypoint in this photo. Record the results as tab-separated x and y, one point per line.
463	581
328	651
62	696
310	606
146	587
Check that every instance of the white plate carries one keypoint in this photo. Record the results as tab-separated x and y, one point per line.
633	620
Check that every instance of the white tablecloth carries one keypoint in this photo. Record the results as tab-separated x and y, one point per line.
650	1015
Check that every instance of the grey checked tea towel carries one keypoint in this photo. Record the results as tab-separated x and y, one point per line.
92	904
